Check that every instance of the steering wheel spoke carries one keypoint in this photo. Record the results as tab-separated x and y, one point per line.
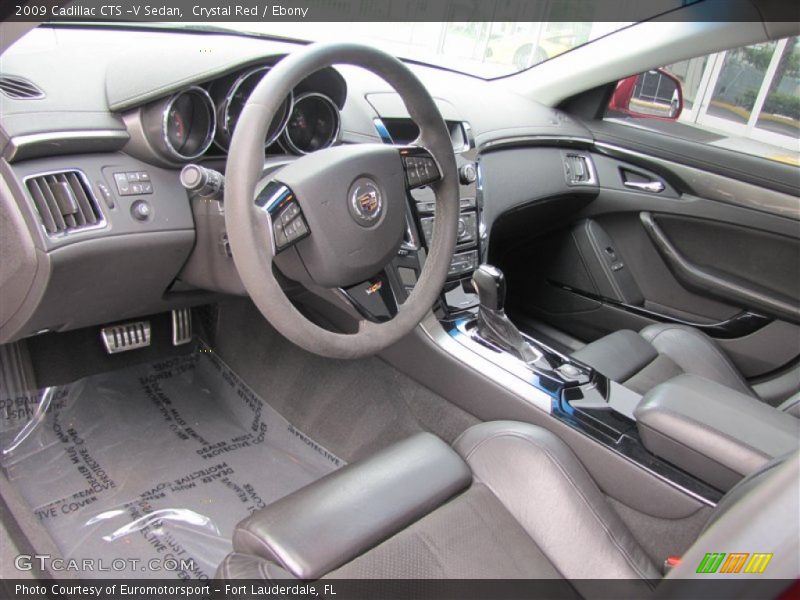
287	222
373	299
420	166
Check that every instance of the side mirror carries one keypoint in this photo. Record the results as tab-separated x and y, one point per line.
653	94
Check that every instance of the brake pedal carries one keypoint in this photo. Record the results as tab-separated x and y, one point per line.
129	336
181	326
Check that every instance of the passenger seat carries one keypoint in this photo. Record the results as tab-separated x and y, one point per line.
640	361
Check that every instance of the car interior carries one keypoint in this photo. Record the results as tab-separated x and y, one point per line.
305	311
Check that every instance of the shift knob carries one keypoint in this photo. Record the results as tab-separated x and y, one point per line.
490	285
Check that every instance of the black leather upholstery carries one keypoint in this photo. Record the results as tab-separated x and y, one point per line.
620	356
323	525
663	351
532	511
696	353
548	491
711	431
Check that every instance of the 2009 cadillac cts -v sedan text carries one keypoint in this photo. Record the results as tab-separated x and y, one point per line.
523	303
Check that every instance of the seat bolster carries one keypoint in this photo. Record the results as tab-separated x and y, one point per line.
247	566
544	486
331	521
791	406
696	353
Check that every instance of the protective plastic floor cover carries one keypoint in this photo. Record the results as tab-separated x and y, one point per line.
153	462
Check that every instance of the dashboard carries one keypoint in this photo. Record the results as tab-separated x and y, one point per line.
97	224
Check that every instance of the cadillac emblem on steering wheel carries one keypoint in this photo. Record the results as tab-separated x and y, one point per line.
366	202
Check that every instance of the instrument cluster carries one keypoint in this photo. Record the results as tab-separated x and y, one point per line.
198	120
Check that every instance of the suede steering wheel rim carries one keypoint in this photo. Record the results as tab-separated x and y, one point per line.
330	176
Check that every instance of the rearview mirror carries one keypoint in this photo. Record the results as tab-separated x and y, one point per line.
653	94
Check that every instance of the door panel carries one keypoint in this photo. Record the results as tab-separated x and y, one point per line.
608	269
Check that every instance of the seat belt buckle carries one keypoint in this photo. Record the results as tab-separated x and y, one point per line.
670	563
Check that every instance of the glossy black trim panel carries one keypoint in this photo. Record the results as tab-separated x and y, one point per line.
741	324
620	433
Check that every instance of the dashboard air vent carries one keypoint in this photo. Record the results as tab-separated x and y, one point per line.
19	88
578	169
65	202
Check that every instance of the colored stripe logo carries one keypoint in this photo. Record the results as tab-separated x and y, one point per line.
734	562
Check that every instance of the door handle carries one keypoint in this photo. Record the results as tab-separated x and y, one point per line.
654	187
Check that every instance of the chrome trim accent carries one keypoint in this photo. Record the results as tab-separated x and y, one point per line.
227	102
268	206
535	140
101	224
506	375
470	137
411	241
285	139
592	181
383	132
654	187
16	143
209	134
717	187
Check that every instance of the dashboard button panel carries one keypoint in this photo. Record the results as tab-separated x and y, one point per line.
463	262
133	183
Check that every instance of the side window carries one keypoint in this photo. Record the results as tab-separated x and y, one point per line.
746	99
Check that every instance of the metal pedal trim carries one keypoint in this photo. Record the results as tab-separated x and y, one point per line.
128	336
181	326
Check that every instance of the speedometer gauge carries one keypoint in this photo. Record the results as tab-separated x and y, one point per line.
236	98
313	125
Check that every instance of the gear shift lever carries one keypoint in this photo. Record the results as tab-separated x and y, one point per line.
493	324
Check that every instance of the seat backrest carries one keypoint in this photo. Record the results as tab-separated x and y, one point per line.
759	518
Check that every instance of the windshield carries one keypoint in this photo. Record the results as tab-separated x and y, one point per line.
481	49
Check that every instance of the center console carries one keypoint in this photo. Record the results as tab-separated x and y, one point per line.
696	434
470	325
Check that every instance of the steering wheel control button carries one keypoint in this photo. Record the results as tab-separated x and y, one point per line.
141	210
420	168
289	226
365	202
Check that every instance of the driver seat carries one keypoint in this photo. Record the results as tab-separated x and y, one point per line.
509	500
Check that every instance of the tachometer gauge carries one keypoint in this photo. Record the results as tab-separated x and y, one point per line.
188	124
313	124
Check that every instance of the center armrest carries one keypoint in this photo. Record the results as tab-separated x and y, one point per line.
711	431
329	522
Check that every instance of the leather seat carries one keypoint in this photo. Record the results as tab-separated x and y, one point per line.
509	500
663	351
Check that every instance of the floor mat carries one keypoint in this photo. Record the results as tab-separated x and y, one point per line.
155	462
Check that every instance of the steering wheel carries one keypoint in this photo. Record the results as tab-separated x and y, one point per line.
336	217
